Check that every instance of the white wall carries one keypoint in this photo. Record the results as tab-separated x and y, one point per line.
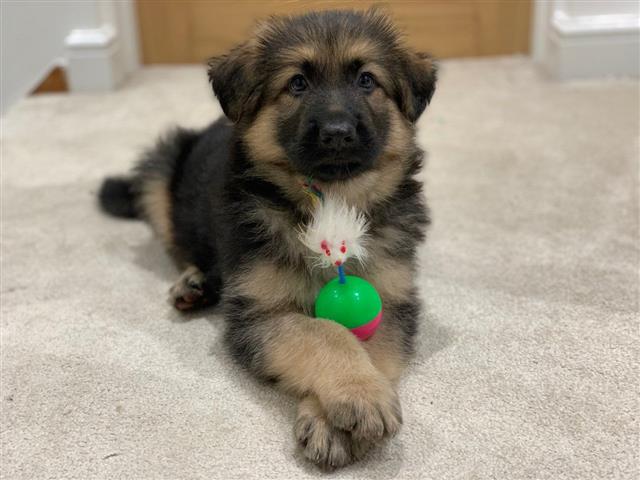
32	40
598	7
587	38
33	36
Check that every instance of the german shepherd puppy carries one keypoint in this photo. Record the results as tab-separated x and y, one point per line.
333	96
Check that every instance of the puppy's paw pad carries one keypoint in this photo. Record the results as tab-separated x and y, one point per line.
188	292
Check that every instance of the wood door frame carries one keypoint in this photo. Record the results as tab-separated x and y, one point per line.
499	23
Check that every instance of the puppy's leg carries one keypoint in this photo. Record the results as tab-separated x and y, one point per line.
391	347
311	356
195	289
389	350
318	360
322	357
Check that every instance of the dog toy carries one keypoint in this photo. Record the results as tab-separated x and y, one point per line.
336	233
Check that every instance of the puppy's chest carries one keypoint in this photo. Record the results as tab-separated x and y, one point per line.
300	274
311	277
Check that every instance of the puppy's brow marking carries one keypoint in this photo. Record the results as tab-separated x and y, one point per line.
298	54
360	51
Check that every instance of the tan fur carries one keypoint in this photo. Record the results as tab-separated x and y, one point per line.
281	224
276	287
357	50
310	355
370	187
322	443
270	158
261	137
382	76
401	133
297	54
280	79
386	353
155	202
191	274
320	355
392	279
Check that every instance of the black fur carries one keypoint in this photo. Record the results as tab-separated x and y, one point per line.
117	197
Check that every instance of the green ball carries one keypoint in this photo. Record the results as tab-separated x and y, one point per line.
351	304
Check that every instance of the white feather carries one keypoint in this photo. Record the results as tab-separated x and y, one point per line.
336	232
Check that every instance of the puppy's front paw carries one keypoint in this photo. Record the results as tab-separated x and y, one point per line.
368	407
324	445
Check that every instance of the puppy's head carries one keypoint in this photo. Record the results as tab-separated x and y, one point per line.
330	95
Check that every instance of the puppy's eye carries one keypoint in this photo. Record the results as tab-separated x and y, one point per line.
366	81
298	84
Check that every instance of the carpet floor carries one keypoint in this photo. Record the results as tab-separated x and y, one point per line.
527	365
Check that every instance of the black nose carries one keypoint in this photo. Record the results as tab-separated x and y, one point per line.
337	134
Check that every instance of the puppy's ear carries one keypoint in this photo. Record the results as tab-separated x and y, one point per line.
236	82
418	85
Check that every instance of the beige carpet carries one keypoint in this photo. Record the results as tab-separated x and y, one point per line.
528	358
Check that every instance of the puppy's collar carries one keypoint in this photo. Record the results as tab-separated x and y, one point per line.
312	190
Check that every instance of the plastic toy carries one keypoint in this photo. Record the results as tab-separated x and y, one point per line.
337	233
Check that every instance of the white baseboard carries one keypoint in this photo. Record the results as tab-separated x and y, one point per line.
95	60
593	46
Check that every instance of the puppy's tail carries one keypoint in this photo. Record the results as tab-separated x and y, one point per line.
118	197
129	196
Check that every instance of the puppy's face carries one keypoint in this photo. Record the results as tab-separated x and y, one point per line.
326	95
331	121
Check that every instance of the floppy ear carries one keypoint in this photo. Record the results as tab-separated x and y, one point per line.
235	81
418	85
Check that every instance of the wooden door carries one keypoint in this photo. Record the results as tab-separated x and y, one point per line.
190	31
